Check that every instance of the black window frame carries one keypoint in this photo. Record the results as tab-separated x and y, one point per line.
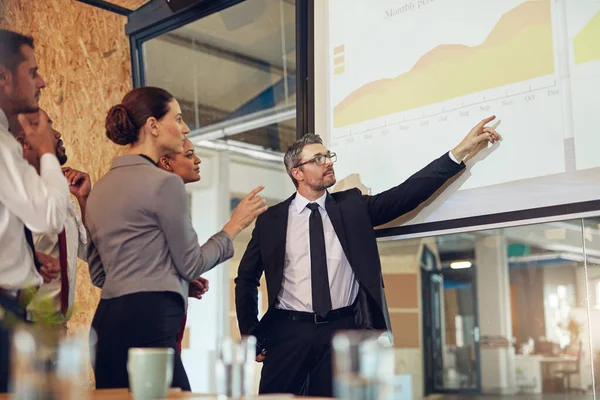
156	18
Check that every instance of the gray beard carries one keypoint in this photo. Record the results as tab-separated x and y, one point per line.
322	186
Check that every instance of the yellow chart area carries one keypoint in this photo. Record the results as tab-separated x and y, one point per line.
519	48
586	44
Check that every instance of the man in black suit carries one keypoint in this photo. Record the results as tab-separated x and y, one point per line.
320	258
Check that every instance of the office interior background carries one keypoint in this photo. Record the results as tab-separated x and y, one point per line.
492	307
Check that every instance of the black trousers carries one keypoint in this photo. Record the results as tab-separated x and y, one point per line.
299	356
145	319
12	309
4	357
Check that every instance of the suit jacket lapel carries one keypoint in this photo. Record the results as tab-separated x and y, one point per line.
335	215
280	232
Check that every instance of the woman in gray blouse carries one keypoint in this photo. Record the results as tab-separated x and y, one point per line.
143	250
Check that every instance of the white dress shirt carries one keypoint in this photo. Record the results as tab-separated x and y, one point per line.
452	157
76	247
39	201
296	290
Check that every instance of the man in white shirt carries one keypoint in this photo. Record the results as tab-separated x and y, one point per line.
319	254
53	300
28	201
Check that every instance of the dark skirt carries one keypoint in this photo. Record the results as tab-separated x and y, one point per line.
146	319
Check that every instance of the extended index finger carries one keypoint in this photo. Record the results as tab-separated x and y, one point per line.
254	192
485	121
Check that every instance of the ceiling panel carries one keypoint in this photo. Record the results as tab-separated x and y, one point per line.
260	29
213	81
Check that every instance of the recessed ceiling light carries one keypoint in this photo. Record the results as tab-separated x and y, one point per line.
460	264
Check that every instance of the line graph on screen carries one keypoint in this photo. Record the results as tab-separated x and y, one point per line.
451	71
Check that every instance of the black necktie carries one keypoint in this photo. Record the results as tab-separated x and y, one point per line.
29	238
318	263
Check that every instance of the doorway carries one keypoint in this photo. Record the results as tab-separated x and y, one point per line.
450	330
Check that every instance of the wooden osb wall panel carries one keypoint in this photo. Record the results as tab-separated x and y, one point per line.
131	4
83	55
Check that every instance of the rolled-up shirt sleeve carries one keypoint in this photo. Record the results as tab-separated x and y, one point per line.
40	201
83	238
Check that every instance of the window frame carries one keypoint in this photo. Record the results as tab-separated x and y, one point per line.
156	18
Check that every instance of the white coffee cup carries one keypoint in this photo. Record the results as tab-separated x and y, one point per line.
150	372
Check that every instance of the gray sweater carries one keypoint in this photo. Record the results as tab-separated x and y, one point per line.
141	235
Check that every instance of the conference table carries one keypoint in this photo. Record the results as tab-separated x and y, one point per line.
123	394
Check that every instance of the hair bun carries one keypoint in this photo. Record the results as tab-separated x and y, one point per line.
120	127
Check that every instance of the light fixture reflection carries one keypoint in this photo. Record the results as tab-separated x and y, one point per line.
460	264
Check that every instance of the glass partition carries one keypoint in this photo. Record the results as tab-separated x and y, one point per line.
233	73
589	325
502	311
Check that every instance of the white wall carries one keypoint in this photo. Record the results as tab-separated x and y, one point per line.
493	304
207	318
590	326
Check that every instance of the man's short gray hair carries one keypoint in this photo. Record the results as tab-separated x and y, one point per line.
294	152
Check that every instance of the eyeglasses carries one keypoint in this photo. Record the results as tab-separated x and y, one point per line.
320	159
